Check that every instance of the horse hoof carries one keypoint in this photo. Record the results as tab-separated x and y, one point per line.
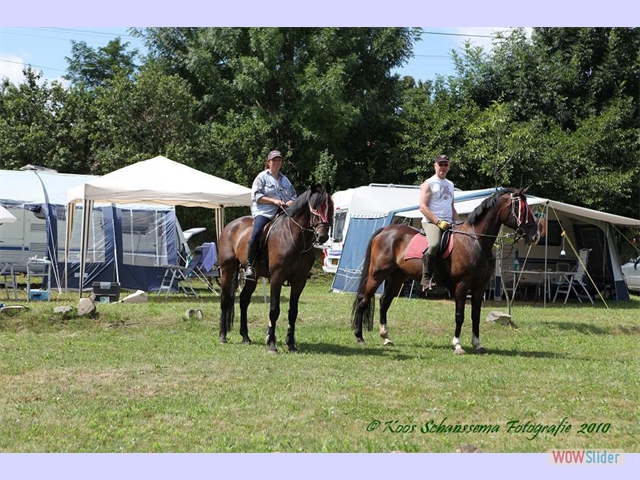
361	341
459	351
247	340
388	341
292	349
272	350
481	351
223	339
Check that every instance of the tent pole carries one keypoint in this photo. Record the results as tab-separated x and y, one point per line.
115	243
546	253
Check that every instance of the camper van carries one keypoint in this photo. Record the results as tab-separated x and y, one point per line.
333	247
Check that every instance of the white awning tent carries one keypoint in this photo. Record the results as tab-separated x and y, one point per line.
156	181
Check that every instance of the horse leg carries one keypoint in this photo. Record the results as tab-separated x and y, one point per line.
392	288
227	299
476	306
460	296
245	300
296	291
274	313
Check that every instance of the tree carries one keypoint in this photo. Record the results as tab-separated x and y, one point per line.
314	93
93	67
29	114
141	117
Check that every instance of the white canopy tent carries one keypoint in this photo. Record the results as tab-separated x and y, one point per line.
156	181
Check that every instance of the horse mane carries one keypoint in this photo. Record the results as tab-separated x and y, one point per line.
487	204
300	203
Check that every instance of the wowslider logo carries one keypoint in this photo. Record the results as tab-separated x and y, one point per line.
585	457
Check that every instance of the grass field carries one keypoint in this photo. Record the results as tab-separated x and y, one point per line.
143	378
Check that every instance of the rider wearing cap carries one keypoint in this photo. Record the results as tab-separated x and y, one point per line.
271	190
436	204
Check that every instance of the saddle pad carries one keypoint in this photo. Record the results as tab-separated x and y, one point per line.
416	246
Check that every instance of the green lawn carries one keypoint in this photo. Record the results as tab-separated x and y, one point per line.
142	378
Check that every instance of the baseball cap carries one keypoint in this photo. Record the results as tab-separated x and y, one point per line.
440	158
274	154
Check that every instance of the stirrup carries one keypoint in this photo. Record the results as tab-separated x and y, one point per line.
250	274
429	286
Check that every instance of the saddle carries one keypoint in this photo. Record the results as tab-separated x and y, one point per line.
420	242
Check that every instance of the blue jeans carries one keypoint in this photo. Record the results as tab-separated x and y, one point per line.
258	225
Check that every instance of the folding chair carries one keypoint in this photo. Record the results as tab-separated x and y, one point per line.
8	279
181	275
575	280
205	267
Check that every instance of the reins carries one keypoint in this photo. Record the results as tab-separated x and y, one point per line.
522	214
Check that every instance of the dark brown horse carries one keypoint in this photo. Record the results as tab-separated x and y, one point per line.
286	255
467	269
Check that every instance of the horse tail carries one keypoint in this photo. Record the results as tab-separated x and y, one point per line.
363	309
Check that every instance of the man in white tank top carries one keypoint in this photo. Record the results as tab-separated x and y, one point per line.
436	204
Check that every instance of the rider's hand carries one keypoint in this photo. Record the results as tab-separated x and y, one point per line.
443	225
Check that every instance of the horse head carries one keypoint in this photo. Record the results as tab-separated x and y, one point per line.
321	209
518	215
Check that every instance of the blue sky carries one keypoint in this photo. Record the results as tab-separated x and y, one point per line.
45	48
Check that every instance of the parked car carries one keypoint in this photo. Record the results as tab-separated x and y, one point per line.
631	271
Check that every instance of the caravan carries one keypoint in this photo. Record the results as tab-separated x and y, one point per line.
332	248
368	201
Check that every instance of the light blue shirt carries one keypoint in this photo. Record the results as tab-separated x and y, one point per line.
266	185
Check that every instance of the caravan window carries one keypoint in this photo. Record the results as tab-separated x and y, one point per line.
339	220
144	240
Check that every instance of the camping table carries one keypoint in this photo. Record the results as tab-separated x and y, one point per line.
536	278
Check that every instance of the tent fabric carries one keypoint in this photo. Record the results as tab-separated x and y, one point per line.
162	181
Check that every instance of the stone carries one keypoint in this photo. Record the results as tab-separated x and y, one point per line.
86	306
11	310
500	317
190	313
137	297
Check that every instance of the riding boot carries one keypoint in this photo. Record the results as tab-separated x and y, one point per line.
249	273
428	264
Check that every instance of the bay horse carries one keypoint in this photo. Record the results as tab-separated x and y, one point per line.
286	255
467	268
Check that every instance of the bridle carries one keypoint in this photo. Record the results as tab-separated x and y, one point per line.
523	215
319	218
